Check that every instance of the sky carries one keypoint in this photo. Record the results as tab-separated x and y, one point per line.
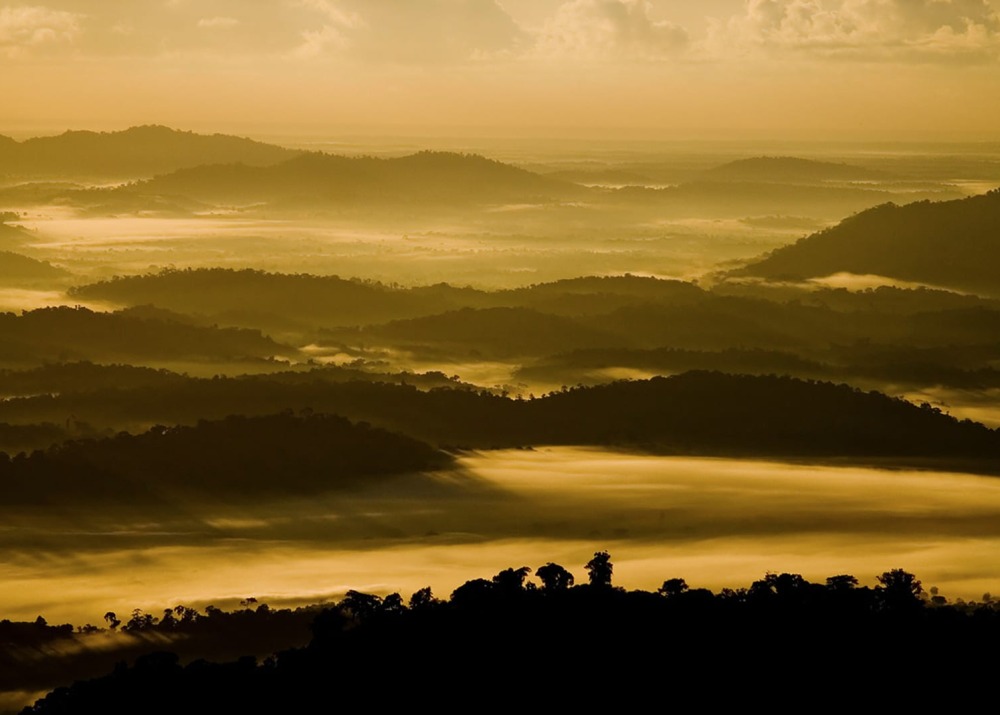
649	69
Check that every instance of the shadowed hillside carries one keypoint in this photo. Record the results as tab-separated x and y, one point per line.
11	236
950	243
235	459
245	296
693	413
490	332
67	334
16	269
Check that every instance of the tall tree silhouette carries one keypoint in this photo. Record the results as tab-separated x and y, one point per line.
599	569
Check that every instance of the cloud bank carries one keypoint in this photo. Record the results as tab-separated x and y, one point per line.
25	27
872	30
457	32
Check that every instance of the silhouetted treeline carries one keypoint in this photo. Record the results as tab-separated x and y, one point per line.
234	459
55	378
951	243
29	437
38	656
558	644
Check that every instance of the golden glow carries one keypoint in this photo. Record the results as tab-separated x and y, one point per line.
715	522
640	68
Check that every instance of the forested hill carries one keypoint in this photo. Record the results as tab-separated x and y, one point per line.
11	236
704	413
16	269
62	333
133	153
312	300
235	459
948	243
437	177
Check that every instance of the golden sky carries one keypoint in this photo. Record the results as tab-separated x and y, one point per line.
665	69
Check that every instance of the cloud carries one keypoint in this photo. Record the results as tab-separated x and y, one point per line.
217	23
399	31
30	26
865	29
609	29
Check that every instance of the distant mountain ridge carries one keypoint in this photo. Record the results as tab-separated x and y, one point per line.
790	168
953	244
133	153
427	176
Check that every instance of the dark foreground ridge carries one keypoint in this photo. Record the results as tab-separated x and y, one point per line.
235	459
560	644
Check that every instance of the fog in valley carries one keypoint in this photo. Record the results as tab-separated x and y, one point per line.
304	312
715	522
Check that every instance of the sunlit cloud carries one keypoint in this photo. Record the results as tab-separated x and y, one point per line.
894	30
609	29
431	32
26	27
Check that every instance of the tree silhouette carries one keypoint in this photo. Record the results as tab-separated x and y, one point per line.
511	580
899	589
599	569
673	587
841	582
554	577
423	598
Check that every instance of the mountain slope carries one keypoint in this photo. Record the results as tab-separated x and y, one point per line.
954	244
16	269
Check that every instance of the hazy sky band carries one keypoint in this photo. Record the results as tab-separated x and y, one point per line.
648	68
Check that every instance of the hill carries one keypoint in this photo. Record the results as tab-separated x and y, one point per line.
488	332
135	152
235	458
703	413
258	298
16	269
436	177
11	236
244	297
47	334
790	169
741	198
953	244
